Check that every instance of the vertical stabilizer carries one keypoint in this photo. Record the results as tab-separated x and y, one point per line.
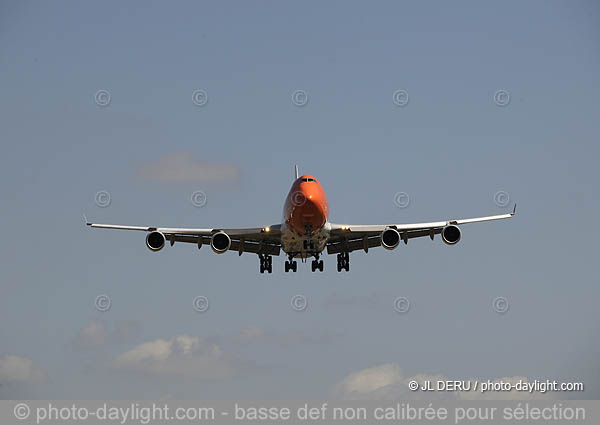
297	172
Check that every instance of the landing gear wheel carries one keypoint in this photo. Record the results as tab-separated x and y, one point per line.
343	261
266	263
317	265
291	265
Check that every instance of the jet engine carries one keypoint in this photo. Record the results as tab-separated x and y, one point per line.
220	242
451	234
155	241
390	238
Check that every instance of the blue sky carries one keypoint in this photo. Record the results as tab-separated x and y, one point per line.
451	148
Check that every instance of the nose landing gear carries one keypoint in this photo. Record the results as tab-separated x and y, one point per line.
317	264
266	263
291	265
343	261
308	244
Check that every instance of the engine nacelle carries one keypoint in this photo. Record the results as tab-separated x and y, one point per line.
390	238
155	241
220	242
451	234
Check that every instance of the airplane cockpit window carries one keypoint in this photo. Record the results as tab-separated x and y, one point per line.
308	180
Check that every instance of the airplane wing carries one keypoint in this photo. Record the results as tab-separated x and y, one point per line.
351	237
264	240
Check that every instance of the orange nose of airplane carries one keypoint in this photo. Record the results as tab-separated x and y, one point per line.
307	208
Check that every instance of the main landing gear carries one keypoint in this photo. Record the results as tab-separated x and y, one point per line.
291	265
266	263
343	261
317	264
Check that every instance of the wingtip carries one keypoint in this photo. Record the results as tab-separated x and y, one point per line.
514	211
85	220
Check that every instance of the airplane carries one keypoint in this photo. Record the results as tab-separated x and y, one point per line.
305	232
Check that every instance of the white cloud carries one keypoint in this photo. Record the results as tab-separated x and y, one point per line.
183	167
383	382
97	334
368	380
387	382
16	369
91	335
182	355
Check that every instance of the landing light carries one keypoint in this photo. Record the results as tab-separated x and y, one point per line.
267	229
